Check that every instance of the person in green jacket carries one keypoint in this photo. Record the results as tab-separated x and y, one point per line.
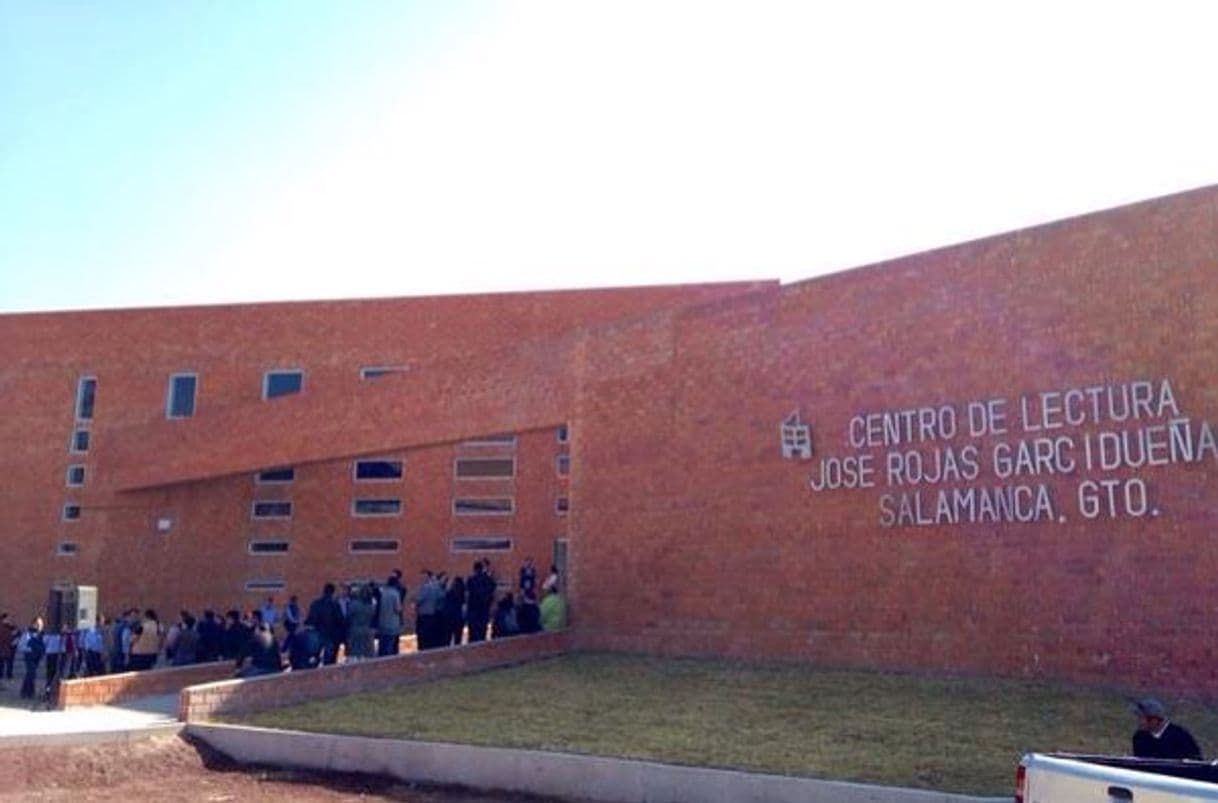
553	611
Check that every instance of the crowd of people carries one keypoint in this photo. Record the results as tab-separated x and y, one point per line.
365	620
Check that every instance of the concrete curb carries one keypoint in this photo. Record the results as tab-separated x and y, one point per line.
89	737
535	772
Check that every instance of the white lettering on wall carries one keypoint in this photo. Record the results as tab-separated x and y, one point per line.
998	460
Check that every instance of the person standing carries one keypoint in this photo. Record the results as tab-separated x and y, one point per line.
1157	737
8	647
94	645
54	649
360	625
389	619
553	611
187	651
528	577
291	612
146	645
269	613
429	612
327	618
454	612
479	596
31	648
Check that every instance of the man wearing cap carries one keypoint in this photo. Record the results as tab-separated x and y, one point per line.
1156	737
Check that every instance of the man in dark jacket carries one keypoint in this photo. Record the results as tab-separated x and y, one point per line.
479	596
1156	737
326	617
210	637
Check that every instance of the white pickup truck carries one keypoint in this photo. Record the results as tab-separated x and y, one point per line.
1066	778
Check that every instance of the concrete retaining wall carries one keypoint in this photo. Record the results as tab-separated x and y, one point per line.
202	702
558	774
108	689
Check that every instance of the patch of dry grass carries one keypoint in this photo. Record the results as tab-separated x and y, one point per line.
963	735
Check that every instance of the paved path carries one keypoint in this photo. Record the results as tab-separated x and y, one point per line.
147	712
20	718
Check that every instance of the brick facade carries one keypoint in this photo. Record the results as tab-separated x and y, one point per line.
694	535
197	473
689	530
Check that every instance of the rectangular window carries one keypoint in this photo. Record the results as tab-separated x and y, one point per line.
492	506
71	512
562	465
378	470
480	543
376	507
484	468
373	545
275	476
80	441
272	510
268	547
265	584
66	548
501	439
564	434
282	383
76	475
86	395
180	395
373	371
562	505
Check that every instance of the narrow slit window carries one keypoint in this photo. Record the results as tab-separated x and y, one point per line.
86	395
80	441
275	476
265	584
362	546
376	507
269	547
484	506
378	470
376	371
562	505
66	548
272	510
484	468
76	475
180	396
564	434
480	543
562	465
282	383
71	512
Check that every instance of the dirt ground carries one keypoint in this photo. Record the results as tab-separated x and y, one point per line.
168	768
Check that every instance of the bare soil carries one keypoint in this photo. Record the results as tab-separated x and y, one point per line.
169	768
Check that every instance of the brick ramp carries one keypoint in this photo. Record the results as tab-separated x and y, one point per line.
125	686
540	773
203	702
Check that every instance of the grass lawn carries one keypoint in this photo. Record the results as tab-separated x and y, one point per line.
961	735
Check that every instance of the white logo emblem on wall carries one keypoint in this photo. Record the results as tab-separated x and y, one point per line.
795	438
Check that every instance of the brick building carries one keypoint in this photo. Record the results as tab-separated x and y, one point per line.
998	457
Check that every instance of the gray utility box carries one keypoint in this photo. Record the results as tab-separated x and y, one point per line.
71	606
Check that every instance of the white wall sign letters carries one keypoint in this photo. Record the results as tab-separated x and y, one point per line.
991	460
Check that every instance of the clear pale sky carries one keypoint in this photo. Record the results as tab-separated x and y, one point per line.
205	152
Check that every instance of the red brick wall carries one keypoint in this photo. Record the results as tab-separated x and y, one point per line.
203	702
693	535
689	533
456	349
107	689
